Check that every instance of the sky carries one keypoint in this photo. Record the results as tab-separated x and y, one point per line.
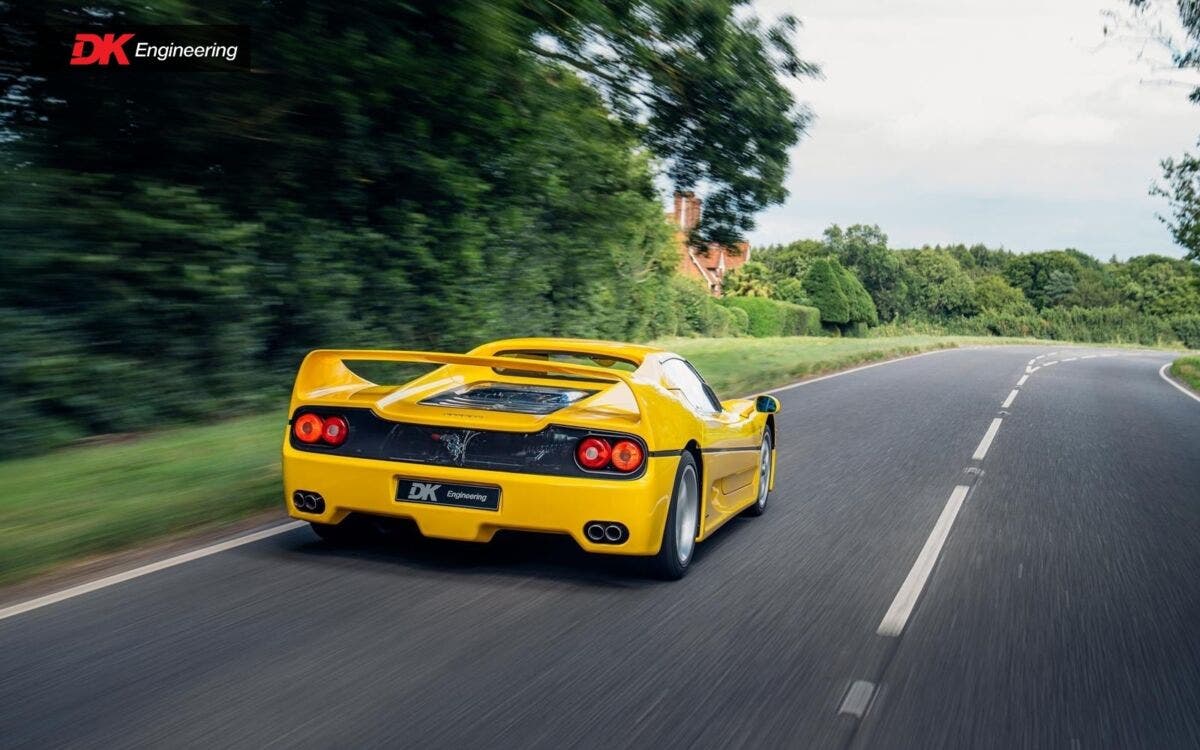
1015	124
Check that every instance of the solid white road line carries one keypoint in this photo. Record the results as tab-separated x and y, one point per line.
1008	401
1162	373
1021	382
988	437
906	598
854	369
1031	370
170	562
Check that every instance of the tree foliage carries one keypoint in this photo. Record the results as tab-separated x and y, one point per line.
426	174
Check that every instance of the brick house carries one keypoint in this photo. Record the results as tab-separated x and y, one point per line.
711	263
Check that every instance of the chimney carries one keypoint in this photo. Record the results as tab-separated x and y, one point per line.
687	211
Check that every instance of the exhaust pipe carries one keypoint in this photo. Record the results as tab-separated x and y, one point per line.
308	502
605	532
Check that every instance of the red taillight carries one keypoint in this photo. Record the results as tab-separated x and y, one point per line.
335	431
593	453
307	428
627	456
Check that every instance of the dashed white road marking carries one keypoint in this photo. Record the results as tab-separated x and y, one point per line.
154	567
1051	354
1089	356
1008	401
1162	373
858	697
1070	359
1052	362
1030	362
1031	370
1021	382
988	437
906	598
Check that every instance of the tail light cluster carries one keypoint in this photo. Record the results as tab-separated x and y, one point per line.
312	428
599	453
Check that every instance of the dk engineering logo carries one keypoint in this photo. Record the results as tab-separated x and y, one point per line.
164	48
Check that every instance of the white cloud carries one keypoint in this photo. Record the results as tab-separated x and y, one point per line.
946	121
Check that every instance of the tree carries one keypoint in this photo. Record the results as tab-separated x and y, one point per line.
997	295
863	249
700	80
823	286
1182	192
1157	285
1031	273
1182	175
792	290
751	279
939	285
862	309
1059	286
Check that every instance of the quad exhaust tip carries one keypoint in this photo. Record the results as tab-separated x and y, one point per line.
606	532
307	501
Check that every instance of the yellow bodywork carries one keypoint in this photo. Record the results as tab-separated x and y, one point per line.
642	402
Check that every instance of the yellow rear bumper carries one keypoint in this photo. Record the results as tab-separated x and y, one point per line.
528	502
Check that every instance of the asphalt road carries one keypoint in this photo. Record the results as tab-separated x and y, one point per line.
1062	610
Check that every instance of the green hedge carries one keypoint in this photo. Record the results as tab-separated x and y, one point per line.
1095	325
768	317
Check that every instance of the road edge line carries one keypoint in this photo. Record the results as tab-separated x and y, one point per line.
144	570
859	368
1162	373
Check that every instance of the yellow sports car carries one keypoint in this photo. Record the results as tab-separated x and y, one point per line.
623	447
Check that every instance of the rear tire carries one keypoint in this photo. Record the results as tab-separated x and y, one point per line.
766	457
682	525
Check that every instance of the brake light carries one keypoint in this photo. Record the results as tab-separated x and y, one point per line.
627	456
335	431
307	428
593	453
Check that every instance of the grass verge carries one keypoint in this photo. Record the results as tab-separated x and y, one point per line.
100	498
1187	371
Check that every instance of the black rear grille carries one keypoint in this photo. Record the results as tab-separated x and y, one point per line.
523	399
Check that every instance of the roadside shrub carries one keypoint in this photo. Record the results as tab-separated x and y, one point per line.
698	312
741	320
824	288
1187	328
801	320
768	317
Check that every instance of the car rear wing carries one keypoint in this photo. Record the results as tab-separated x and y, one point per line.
324	372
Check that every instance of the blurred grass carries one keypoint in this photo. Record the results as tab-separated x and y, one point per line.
111	495
104	497
1187	370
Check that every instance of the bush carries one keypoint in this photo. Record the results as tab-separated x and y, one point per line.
741	320
698	312
1187	328
767	317
1118	325
824	288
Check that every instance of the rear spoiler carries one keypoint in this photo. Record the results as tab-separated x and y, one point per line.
324	371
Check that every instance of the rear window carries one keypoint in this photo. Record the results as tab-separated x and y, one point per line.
568	358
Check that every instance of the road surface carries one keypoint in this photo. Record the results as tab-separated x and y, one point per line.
925	576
